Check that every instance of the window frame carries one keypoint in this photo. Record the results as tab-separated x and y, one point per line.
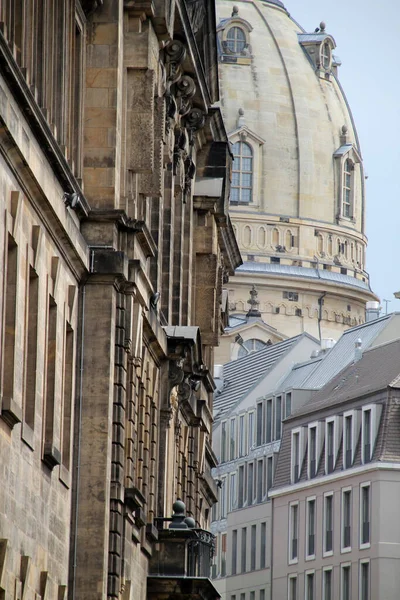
336	434
307	575
365	485
364	561
292	577
298	431
235	27
293	557
345	567
327	570
240	157
310	501
344	492
318	444
325	552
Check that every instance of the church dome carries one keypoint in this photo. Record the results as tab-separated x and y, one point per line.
297	197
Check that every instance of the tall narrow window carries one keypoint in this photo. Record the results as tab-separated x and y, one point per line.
232	440
309	588
259	439
330	432
345	583
234	552
251	430
327	584
241	436
253	547
223	442
346	519
223	498
292	587
67	396
348	436
366	435
50	454
242	173
10	322
328	523
268	433
295	457
76	100
311	528
232	492
364	581
347	175
278	417
259	480
263	544
293	536
244	550
270	466
288	405
223	555
312	452
31	345
250	483
241	487
365	514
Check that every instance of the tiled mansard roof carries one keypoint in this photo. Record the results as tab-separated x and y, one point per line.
375	378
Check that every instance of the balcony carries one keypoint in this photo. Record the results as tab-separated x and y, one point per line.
181	560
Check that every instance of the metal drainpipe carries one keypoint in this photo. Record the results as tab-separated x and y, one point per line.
78	447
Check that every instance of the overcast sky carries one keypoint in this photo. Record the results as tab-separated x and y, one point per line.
367	41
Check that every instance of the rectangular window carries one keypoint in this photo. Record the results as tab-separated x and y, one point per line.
250	483
67	396
263	546
327	584
345	583
253	547
251	431
262	594
51	403
295	457
328	523
288	405
259	481
223	555
310	528
10	321
232	491
330	446
234	552
259	440
270	466
346	519
293	532
31	346
252	596
364	581
244	550
241	486
312	452
309	587
366	434
268	432
232	440
242	596
242	440
278	417
348	438
292	587
223	492
365	514
223	442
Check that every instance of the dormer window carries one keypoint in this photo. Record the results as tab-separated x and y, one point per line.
242	173
326	56
235	40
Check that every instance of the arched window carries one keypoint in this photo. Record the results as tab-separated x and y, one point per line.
251	346
347	180
242	173
236	40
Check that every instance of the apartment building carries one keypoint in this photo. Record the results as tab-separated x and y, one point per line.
336	487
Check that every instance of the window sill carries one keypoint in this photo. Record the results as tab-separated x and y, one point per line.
327	554
365	546
310	557
293	561
345	550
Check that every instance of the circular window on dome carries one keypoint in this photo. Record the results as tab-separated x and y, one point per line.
326	55
235	40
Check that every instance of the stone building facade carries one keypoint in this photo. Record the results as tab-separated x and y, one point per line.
115	246
298	189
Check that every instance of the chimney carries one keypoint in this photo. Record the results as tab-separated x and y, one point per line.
327	344
372	311
357	350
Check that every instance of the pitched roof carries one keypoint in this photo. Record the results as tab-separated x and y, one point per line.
242	375
299	374
343	352
378	368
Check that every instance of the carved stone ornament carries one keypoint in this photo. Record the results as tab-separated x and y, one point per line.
195	119
175	53
176	373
